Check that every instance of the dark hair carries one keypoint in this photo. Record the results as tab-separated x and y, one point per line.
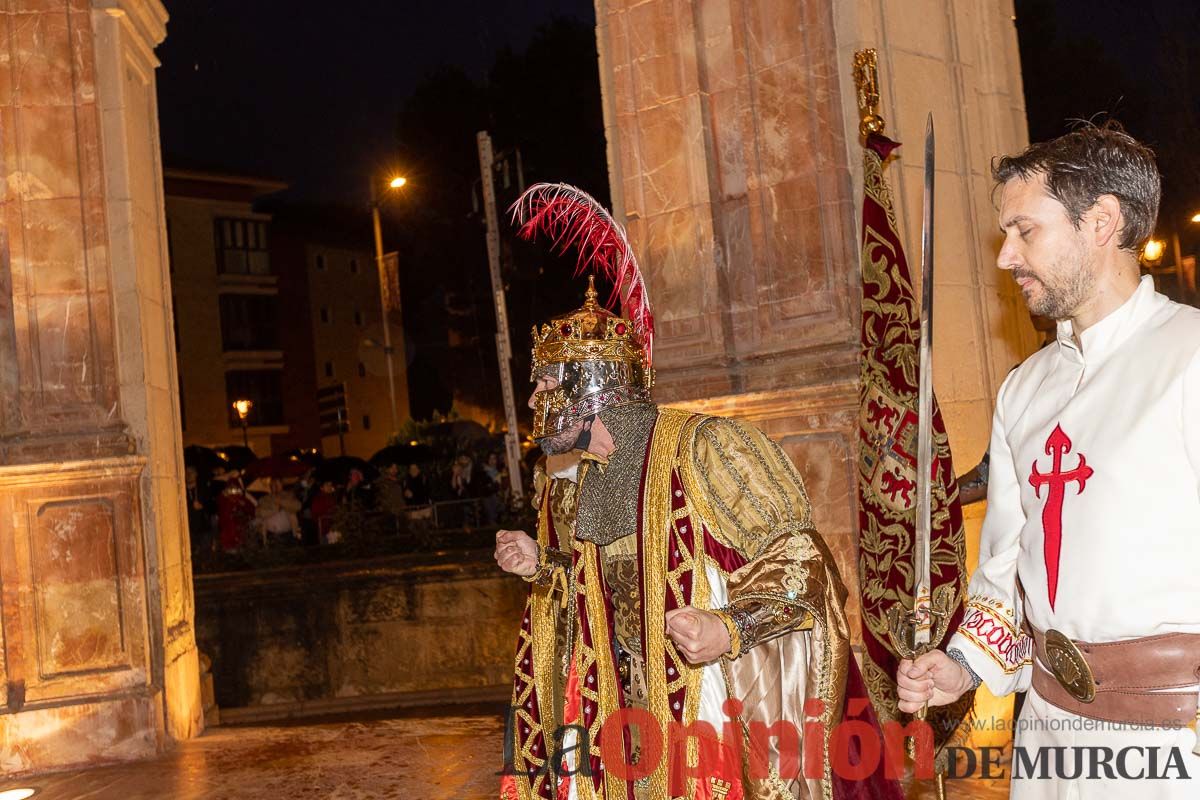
1088	162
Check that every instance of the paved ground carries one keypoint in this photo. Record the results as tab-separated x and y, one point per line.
422	754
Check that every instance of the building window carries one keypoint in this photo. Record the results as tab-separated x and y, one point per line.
249	322
354	266
325	315
242	247
264	387
358	318
320	263
328	369
366	422
362	370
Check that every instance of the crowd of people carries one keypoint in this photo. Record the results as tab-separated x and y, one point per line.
231	509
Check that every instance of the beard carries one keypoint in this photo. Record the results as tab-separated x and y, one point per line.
1065	286
561	442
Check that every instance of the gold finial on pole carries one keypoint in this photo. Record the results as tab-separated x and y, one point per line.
866	79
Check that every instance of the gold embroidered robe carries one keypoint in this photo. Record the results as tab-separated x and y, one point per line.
724	513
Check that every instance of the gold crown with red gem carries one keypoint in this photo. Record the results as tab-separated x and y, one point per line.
597	360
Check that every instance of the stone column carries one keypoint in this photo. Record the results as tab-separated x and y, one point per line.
127	31
96	599
735	163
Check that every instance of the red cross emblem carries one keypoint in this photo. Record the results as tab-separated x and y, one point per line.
1057	446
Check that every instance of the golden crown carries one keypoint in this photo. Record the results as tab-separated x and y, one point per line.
590	333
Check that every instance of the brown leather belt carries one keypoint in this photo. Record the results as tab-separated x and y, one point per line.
1123	682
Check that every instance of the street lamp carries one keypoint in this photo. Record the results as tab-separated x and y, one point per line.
396	182
242	406
1152	253
1196	218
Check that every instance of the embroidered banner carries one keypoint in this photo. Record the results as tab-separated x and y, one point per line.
887	463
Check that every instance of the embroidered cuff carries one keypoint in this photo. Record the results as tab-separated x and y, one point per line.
549	562
735	636
761	618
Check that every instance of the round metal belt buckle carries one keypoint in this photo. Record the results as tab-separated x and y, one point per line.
1069	667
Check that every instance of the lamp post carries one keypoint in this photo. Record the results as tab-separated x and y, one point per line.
1152	253
394	183
243	407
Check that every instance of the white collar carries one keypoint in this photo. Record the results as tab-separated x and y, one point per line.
1104	337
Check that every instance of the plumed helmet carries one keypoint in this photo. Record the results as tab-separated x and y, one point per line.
600	359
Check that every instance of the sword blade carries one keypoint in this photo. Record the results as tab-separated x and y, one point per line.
922	579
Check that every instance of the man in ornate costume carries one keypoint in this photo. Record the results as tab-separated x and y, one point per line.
676	572
1086	592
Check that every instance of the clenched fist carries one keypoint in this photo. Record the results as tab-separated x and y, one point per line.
934	678
699	636
516	553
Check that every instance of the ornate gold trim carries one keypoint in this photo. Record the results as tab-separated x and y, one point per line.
656	532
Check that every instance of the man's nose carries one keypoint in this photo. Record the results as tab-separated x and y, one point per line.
1008	258
533	400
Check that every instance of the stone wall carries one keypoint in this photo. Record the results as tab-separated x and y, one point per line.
336	636
97	658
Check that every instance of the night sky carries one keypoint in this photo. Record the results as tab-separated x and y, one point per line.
308	91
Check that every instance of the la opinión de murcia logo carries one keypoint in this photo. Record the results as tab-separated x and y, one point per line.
857	750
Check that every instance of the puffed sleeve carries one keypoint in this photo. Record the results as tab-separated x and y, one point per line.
755	502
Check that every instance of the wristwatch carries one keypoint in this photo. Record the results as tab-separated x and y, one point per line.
957	656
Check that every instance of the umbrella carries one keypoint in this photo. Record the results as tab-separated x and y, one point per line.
338	469
309	455
403	454
276	467
204	459
238	456
463	430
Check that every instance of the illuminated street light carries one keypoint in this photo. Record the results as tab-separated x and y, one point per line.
243	406
1196	217
397	182
1152	253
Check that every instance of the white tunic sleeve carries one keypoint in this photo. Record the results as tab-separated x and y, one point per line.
1191	416
990	636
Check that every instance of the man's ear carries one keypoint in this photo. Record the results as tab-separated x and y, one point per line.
1104	220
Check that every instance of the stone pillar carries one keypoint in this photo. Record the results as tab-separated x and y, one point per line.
734	161
96	601
127	31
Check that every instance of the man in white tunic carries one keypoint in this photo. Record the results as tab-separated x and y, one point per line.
1086	593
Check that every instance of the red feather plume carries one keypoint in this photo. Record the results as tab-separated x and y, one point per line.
572	218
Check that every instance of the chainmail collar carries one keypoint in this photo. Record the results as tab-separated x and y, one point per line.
608	496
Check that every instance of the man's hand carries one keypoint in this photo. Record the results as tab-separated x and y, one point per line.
699	636
934	678
516	553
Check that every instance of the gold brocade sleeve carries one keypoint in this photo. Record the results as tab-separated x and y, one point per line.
756	504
